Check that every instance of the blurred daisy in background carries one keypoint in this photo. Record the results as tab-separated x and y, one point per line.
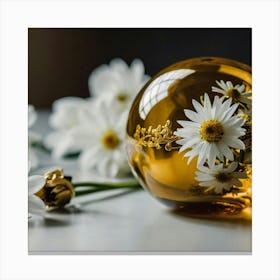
118	82
33	138
103	136
211	131
94	128
219	178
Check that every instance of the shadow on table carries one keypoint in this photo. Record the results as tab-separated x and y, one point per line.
48	222
244	219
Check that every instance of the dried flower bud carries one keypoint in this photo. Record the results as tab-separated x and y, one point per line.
57	191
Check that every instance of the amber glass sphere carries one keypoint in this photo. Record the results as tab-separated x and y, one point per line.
152	144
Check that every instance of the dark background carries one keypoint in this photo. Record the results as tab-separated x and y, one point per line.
60	60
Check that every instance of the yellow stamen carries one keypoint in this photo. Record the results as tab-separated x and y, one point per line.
110	140
223	177
234	94
211	131
122	97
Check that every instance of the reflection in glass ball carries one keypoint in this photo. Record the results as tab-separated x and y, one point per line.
189	137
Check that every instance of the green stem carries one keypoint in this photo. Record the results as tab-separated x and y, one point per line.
41	146
130	184
89	191
93	187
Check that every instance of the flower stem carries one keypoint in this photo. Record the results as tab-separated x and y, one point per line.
129	184
98	187
40	146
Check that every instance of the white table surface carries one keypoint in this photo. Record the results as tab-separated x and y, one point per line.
131	223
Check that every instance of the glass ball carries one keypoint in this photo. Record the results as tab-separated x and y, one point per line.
191	154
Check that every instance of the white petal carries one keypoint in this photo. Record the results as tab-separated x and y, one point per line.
112	169
183	148
240	88
137	69
229	84
218	90
181	142
203	169
223	148
102	166
222	84
207	105
197	105
117	77
192	141
204	177
224	107
35	183
189	124
97	80
234	121
89	158
236	143
228	153
204	153
192	115
212	154
207	183
230	112
36	205
118	65
67	102
194	152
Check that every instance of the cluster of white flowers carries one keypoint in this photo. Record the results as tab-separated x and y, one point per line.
95	127
212	134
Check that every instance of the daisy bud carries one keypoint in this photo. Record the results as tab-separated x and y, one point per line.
57	191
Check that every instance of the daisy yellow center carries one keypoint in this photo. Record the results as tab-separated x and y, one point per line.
211	131
110	140
234	94
223	177
122	97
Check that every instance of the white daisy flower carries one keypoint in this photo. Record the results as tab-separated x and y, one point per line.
65	120
33	137
117	81
103	134
237	92
219	178
35	205
211	131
